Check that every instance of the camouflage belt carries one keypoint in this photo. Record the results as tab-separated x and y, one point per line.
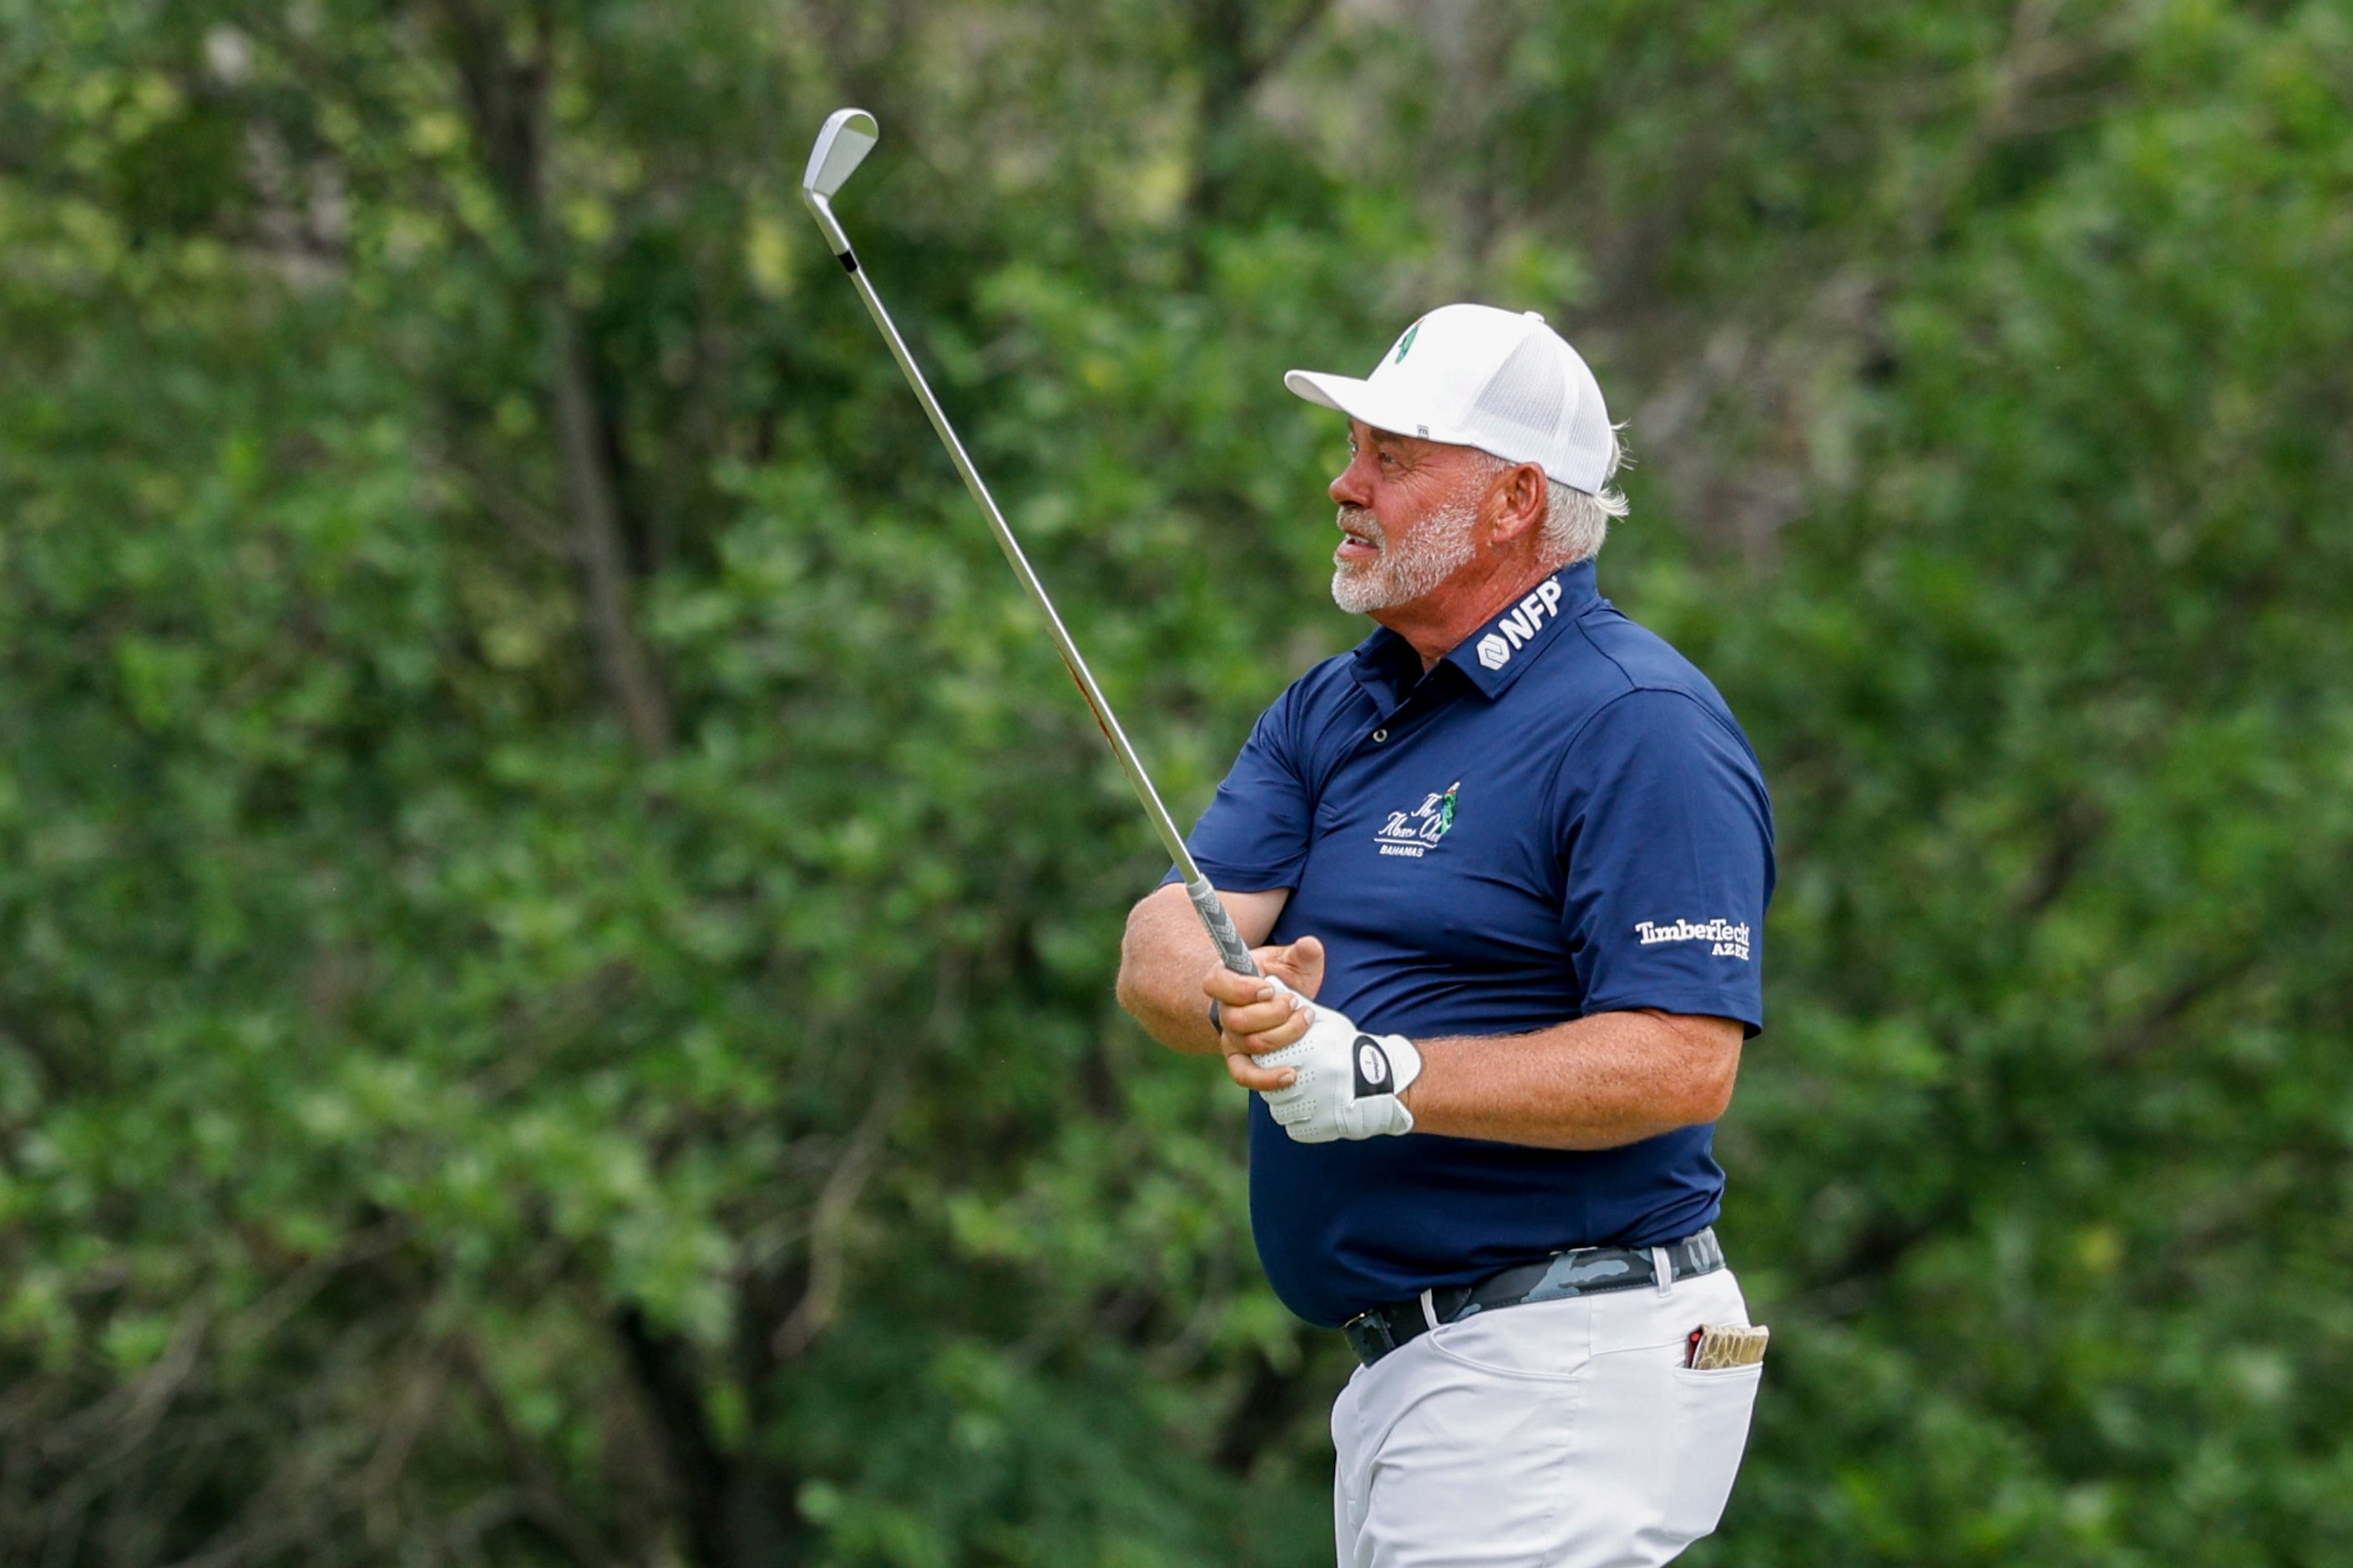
1583	1271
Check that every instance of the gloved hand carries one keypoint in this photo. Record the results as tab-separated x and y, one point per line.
1347	1084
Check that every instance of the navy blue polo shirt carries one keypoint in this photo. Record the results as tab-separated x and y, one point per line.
1560	818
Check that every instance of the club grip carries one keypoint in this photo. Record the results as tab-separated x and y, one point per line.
1232	950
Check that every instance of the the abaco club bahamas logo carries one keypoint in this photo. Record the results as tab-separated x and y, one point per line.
1415	833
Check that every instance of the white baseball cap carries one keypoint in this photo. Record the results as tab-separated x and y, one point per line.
1471	375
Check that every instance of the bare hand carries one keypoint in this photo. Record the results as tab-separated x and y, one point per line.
1259	1017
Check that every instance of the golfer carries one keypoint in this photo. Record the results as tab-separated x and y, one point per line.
1509	858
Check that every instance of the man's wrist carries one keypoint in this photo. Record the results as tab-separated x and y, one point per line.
1409	1066
1405	1093
1415	1096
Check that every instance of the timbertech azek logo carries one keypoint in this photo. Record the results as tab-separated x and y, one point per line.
1731	940
1413	834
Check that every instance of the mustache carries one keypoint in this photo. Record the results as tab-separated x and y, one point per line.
1359	519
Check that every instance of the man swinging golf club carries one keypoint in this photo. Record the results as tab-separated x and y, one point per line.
1504	1203
1510	857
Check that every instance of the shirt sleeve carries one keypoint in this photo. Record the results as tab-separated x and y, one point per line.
1668	834
1254	836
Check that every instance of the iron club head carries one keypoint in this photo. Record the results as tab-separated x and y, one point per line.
847	136
842	143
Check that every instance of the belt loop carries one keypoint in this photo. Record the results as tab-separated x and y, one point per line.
1428	1311
1662	1270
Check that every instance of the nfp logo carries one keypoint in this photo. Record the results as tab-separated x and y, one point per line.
1518	630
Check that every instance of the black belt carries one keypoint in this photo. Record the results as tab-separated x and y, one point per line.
1583	1271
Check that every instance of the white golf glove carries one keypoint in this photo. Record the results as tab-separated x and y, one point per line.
1347	1083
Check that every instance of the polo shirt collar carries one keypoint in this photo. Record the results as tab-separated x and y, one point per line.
1386	666
1490	657
1493	657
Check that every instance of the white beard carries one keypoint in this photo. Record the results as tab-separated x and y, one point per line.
1441	547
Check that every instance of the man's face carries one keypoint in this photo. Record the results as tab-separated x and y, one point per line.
1408	517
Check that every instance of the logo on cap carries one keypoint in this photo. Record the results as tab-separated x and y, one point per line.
1406	342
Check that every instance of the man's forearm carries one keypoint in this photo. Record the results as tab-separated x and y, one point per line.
1165	953
1597	1083
1160	960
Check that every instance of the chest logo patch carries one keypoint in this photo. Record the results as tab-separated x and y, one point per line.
1413	834
1517	629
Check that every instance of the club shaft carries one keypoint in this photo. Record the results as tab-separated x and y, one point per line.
1232	950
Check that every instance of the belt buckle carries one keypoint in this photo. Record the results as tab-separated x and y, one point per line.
1371	1335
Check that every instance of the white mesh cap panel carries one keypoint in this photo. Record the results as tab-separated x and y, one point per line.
1590	439
1527	390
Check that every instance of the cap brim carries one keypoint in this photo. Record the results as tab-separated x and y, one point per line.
1361	400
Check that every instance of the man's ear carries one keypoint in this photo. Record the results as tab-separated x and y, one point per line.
1519	493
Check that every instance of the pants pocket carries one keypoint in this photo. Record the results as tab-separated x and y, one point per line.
1712	1411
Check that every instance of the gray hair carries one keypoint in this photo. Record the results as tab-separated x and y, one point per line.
1575	523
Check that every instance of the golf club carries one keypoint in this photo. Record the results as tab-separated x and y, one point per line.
847	136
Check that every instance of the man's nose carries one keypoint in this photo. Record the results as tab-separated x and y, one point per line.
1349	487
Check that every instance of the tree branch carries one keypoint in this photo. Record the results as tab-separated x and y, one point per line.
539	1498
596	537
506	98
829	1224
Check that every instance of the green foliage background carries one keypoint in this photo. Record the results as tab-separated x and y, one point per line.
556	913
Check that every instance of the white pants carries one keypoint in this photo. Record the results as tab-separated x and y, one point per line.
1557	1435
